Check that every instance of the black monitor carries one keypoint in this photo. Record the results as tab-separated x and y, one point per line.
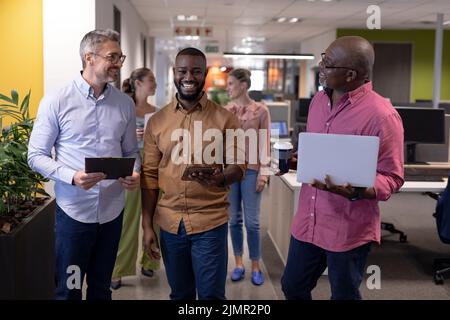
421	125
445	106
256	95
302	109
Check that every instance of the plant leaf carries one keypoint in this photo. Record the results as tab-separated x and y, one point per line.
15	97
24	105
5	98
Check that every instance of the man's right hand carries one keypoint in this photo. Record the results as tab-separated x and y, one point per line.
87	180
293	160
292	163
151	246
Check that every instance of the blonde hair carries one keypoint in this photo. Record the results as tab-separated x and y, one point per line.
242	75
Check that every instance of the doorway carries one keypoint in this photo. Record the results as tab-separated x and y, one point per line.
392	71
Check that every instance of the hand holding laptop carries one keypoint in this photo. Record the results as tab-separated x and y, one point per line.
346	190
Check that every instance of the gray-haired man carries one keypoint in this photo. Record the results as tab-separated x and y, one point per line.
87	118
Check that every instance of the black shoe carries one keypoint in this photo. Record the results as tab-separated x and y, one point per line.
116	284
147	273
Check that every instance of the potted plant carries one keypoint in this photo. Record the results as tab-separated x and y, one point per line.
26	211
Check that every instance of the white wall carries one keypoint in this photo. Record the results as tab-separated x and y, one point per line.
316	46
133	27
65	22
164	78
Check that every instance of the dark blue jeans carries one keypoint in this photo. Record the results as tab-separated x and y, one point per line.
306	263
197	263
85	249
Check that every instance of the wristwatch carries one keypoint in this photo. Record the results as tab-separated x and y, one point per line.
357	195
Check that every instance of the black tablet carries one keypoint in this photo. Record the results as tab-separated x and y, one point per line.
114	168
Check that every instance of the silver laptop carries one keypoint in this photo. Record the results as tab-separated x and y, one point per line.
345	158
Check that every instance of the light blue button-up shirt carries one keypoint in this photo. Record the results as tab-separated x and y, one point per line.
79	126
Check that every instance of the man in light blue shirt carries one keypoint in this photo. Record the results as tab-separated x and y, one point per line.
87	118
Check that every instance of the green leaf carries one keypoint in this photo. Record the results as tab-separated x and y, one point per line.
41	191
5	98
24	105
8	105
15	97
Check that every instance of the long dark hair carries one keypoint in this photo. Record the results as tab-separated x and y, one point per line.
129	85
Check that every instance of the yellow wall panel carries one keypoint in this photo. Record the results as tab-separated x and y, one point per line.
21	53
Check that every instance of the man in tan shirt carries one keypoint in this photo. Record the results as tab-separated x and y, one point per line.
193	215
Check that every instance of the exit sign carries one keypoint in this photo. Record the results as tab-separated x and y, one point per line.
212	48
193	31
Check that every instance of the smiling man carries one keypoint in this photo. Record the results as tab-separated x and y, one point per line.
87	118
335	225
193	215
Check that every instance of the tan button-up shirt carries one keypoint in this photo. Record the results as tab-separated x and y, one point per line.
167	153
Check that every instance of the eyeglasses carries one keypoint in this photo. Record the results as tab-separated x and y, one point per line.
113	58
332	67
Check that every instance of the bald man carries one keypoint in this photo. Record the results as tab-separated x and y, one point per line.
335	225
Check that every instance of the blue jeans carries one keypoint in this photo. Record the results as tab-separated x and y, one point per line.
306	263
243	194
85	249
196	263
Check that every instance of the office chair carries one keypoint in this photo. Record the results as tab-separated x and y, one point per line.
391	228
441	266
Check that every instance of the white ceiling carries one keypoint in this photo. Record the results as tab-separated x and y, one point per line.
232	20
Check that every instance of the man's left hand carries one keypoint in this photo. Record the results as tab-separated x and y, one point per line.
346	190
131	182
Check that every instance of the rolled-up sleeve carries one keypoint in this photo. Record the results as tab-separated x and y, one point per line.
150	162
390	175
42	139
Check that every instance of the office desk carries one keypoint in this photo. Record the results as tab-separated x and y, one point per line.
281	202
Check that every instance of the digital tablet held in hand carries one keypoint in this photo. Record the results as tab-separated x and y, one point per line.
114	168
204	169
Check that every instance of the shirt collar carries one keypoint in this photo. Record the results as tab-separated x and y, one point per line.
353	95
86	88
201	104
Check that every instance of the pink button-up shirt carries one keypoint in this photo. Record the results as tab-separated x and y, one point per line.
331	221
255	116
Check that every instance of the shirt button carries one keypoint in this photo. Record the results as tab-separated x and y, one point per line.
312	214
313	197
327	124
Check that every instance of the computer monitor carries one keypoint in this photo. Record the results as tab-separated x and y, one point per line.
279	127
445	106
421	125
256	95
302	109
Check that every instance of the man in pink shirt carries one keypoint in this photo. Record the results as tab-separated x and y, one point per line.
335	225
